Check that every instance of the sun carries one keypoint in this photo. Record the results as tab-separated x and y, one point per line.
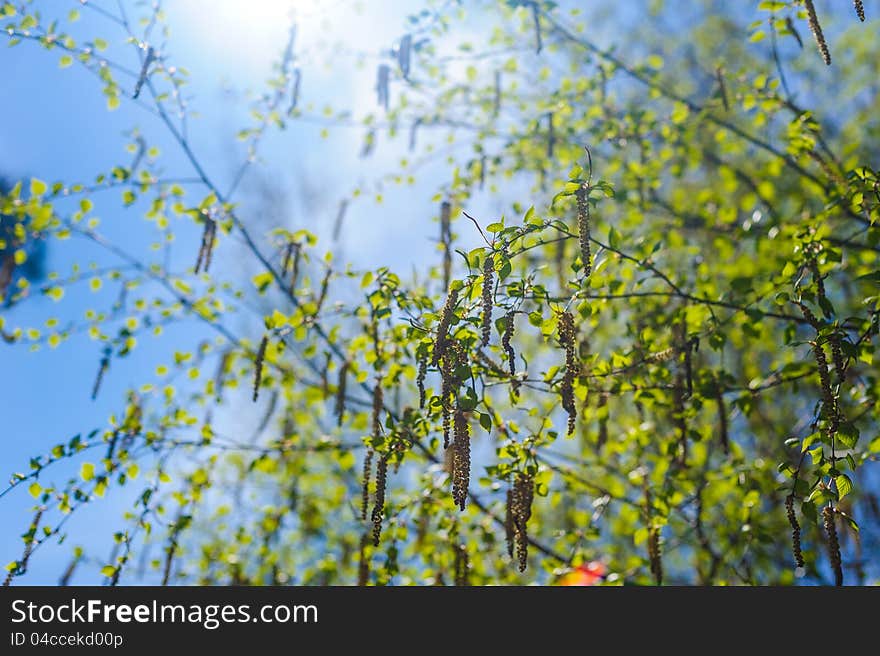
257	14
248	31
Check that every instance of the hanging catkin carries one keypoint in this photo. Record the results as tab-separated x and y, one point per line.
365	484
258	366
819	281
403	55
340	392
521	510
509	527
378	403
723	431
655	554
292	262
810	317
220	375
568	338
339	409
461	469
379	505
661	356
679	420
828	402
420	378
583	216
601	404
833	544
442	339
453	358
447	385
837	356
834	339
508	349
488	282
340	219
795	531
816	29
860	9
206	249
688	368
413	133
382	76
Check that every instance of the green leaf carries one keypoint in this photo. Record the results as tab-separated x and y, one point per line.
262	281
808	508
35	489
87	471
38	187
468	400
655	62
848	435
820	496
505	268
679	113
844	485
570	188
874	276
486	421
531	218
613	238
809	440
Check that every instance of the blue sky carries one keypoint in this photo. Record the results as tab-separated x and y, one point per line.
54	125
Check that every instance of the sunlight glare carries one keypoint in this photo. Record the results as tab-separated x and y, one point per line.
242	34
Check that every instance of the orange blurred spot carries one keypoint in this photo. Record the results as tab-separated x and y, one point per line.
589	574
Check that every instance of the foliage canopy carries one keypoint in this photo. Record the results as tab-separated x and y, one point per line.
659	356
